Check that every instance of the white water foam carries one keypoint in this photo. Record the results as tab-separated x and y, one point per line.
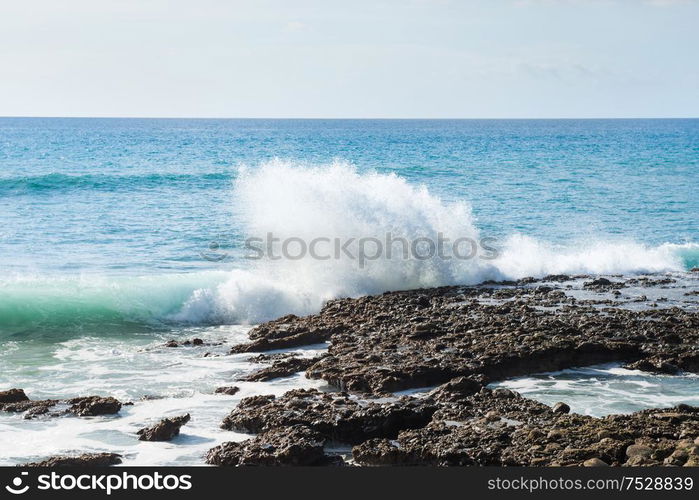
336	201
607	389
129	368
525	256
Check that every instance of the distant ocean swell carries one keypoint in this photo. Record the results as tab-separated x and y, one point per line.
299	201
56	182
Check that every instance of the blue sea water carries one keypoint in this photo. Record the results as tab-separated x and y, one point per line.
108	224
134	196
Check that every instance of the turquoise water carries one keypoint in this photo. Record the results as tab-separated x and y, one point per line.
118	234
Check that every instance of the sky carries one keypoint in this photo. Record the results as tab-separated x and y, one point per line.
345	59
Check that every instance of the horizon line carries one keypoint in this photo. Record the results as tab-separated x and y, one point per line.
345	118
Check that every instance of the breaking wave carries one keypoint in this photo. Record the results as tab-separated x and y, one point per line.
296	201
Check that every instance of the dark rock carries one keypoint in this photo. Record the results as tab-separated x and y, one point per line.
439	444
385	343
164	430
653	365
292	340
229	390
31	408
92	406
38	409
84	460
458	388
598	282
422	301
463	338
561	408
459	435
294	445
557	277
88	406
270	358
187	342
335	416
285	333
13	396
281	368
603	284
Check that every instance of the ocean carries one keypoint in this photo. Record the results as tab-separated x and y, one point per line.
120	234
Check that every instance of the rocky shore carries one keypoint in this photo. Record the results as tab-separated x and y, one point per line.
407	379
460	339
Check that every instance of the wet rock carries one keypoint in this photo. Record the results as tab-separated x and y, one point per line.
228	390
13	396
88	406
92	406
561	408
385	343
43	408
281	368
458	388
603	284
535	435
84	460
186	343
439	444
460	435
422	301
295	445
653	365
460	338
270	358
335	416
164	430
287	332
597	282
557	277
32	408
